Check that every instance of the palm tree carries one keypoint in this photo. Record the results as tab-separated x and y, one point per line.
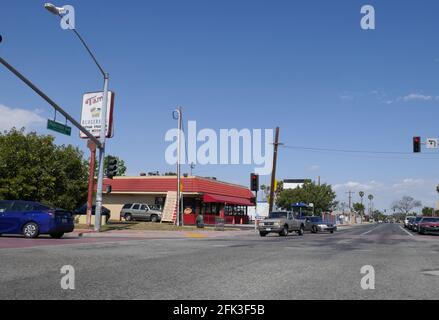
370	197
361	193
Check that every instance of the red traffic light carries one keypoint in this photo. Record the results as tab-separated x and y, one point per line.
416	144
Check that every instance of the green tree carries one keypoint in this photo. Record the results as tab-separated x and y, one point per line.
359	208
429	212
32	167
322	196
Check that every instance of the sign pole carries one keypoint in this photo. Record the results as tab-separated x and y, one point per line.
101	155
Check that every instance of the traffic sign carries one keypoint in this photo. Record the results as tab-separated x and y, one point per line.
432	143
59	127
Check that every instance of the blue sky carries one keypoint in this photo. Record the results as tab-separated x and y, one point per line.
305	66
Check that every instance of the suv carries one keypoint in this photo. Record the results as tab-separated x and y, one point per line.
140	211
281	222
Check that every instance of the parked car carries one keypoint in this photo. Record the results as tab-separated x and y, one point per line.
140	211
316	224
407	220
415	224
81	211
410	223
31	219
281	222
428	225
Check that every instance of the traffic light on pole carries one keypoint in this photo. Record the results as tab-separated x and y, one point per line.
416	144
254	182
111	167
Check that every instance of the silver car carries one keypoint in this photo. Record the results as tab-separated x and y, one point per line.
140	211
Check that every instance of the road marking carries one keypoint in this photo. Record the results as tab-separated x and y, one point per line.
431	273
367	232
410	234
195	235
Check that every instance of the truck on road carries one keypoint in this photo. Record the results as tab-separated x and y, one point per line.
283	223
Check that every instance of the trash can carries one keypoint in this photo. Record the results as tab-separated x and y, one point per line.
200	221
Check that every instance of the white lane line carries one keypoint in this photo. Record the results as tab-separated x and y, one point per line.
367	232
410	234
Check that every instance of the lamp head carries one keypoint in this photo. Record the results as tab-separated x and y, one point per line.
54	9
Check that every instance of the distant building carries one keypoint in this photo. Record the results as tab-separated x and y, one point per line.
294	183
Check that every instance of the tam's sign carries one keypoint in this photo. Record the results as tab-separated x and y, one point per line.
91	114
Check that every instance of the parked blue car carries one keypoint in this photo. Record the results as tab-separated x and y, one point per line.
31	219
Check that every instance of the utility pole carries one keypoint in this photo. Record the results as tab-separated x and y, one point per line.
273	172
350	203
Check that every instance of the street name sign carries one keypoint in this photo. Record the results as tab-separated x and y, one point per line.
91	113
59	127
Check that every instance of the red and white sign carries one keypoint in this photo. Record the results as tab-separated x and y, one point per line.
91	113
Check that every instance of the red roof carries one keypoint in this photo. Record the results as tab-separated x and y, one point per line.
190	185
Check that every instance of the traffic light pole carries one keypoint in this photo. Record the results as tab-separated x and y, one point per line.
50	101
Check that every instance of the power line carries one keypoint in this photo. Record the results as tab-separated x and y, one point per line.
359	152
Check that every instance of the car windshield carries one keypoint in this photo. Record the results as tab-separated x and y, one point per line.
418	219
430	220
276	215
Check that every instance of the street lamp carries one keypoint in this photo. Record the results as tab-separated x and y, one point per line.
54	9
59	11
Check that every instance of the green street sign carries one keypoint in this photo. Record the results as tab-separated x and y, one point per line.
59	127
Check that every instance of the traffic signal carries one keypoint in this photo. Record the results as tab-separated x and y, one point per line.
416	144
111	167
254	182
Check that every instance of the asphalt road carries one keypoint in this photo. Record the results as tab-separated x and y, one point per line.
321	266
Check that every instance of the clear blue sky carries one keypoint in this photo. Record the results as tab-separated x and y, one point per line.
305	66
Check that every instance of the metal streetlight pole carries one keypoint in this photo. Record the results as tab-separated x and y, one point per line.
59	12
177	116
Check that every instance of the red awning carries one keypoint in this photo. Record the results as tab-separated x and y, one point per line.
207	197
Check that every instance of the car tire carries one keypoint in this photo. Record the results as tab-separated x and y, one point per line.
332	231
314	229
128	217
58	235
284	232
31	230
154	218
263	234
301	231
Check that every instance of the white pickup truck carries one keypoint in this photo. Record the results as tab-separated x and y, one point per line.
281	222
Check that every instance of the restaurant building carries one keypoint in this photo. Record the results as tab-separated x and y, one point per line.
206	196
